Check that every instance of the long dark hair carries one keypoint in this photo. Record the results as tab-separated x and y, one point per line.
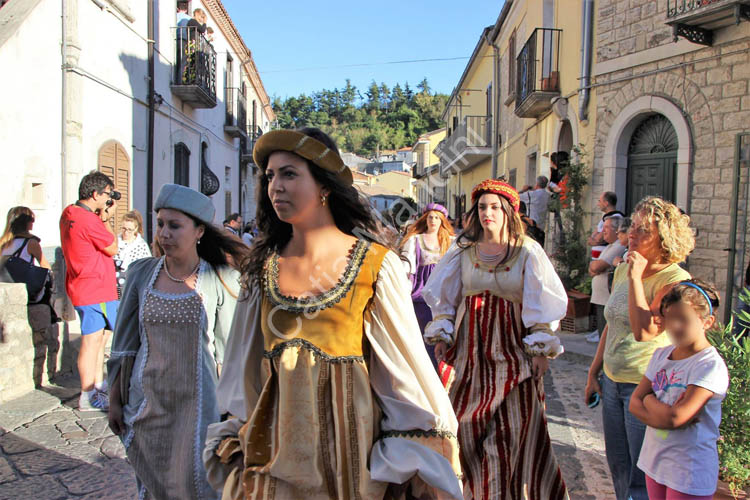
351	214
217	246
514	229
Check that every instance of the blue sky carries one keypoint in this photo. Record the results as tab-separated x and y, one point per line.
286	35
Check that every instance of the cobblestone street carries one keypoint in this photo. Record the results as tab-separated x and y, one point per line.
50	450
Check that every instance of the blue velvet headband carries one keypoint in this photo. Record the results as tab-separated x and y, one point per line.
701	290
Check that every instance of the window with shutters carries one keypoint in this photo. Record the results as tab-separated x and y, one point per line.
181	164
114	162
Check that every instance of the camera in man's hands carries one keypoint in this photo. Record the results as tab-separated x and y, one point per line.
113	197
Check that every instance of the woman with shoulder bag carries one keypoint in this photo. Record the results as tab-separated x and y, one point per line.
18	241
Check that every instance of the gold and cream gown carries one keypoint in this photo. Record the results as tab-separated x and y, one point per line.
333	396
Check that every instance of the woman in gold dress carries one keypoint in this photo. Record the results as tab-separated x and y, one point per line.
327	385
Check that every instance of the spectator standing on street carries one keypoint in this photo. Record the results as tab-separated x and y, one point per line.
622	238
599	271
88	245
248	234
233	224
423	245
537	205
497	301
130	246
18	235
660	238
607	203
330	391
679	399
169	346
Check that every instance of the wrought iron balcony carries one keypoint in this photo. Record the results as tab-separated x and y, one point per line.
537	73
235	123
195	68
696	20
468	145
252	135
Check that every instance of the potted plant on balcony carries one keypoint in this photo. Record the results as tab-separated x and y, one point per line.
571	255
734	443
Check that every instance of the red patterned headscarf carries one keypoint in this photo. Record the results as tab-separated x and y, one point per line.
499	188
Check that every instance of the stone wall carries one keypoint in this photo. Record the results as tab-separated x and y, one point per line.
628	26
16	348
709	85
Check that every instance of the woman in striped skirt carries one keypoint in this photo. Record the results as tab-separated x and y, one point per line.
496	301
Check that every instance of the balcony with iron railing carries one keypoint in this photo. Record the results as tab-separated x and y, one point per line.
467	146
697	20
194	79
235	123
252	136
537	73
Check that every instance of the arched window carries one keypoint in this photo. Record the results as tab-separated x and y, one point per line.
181	164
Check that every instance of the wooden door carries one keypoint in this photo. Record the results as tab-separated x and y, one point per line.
652	161
115	163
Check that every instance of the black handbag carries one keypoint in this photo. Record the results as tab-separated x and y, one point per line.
22	271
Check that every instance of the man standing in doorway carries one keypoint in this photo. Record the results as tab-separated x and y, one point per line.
537	203
88	244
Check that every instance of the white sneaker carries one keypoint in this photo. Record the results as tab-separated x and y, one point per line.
593	337
98	401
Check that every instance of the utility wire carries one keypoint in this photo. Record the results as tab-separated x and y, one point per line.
360	65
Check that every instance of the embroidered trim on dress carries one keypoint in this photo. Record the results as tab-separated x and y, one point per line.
317	352
317	302
418	433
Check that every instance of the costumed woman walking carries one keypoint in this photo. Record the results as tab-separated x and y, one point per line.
423	245
168	346
496	301
330	392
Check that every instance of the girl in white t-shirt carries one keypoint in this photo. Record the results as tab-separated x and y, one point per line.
679	399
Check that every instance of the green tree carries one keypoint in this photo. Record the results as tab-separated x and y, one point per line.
383	118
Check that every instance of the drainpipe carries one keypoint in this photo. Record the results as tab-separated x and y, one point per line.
63	107
494	122
151	116
586	40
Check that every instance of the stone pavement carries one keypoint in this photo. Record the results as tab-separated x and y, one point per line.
49	450
576	429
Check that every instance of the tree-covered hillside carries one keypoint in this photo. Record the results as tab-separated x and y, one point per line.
381	118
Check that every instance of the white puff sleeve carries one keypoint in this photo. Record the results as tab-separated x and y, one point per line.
544	304
238	390
443	294
409	252
418	432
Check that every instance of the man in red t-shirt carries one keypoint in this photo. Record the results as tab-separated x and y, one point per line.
88	245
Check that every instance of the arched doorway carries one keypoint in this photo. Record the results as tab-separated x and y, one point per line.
113	161
565	139
652	161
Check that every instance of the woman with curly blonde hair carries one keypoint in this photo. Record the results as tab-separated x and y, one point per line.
659	239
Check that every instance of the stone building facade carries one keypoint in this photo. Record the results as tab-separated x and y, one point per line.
672	118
